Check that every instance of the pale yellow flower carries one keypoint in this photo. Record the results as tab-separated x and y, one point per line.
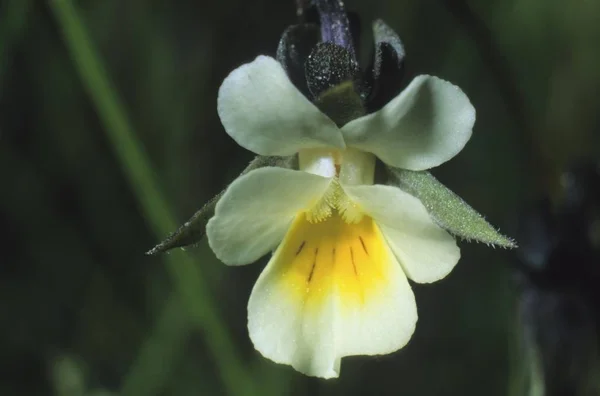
343	247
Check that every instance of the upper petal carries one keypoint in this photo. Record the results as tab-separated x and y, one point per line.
426	251
425	125
331	290
265	113
255	212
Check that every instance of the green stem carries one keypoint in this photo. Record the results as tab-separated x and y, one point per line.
165	344
136	166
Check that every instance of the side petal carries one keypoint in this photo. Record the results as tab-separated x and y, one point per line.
424	126
426	251
194	230
331	290
265	113
256	210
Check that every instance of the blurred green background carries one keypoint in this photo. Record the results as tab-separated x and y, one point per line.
109	139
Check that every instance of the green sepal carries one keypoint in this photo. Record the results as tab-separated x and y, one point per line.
193	230
447	209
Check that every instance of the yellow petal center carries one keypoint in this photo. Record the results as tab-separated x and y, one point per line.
317	259
335	200
347	167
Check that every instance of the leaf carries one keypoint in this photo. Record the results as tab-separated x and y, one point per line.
193	230
447	208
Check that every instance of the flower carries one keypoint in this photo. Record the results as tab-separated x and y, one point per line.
343	247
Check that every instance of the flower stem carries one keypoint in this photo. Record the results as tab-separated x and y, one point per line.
183	270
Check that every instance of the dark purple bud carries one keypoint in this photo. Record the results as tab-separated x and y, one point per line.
296	44
335	26
384	78
328	66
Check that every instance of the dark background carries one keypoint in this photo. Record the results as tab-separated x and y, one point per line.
93	175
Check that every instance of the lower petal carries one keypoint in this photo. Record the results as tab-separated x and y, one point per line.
331	289
426	251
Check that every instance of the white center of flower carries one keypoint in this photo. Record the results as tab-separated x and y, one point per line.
346	167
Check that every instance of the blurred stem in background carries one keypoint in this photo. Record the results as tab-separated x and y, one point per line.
544	171
508	88
13	18
185	273
165	344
